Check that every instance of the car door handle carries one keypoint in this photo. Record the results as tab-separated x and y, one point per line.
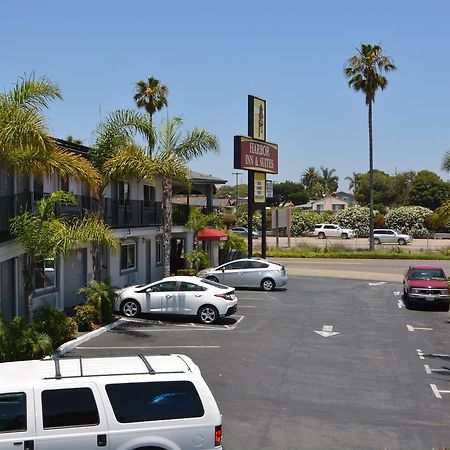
17	443
101	440
168	296
198	295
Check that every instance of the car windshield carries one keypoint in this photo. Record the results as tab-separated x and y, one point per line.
427	274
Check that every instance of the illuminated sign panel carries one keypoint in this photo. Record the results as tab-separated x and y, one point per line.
250	154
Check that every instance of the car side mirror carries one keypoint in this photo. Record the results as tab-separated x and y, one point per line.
223	269
149	290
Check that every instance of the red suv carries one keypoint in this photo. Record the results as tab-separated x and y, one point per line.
426	285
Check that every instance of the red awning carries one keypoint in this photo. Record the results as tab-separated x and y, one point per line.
211	234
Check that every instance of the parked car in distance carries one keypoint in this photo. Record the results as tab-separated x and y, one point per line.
183	295
385	236
248	272
426	285
244	232
328	230
131	402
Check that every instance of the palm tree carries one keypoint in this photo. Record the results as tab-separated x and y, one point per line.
329	180
152	96
174	151
353	181
310	178
364	73
44	235
25	143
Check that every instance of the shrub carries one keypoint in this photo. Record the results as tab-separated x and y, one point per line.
54	322
186	272
86	316
408	220
101	295
356	217
20	341
199	259
303	221
242	219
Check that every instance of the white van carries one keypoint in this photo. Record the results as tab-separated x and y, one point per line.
115	403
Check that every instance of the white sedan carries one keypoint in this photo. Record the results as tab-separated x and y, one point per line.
190	296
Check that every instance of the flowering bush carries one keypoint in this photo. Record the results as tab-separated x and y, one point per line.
356	218
242	220
408	219
303	221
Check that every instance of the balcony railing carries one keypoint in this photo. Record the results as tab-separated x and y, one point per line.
117	214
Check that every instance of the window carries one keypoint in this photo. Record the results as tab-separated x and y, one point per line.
319	208
166	286
185	286
258	265
141	402
63	408
336	207
149	195
45	274
13	412
64	184
238	265
158	251
128	256
124	192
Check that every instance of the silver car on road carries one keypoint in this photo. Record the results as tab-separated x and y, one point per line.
248	272
385	236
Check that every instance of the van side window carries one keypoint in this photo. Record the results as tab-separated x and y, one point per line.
63	408
13	412
141	402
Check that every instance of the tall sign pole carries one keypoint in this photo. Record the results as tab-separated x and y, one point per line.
259	157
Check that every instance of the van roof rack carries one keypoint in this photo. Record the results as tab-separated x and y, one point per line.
149	369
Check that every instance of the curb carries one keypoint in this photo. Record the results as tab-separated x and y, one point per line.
70	345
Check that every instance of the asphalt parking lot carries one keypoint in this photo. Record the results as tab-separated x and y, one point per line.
326	363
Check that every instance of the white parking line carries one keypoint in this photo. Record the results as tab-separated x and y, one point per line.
400	303
420	353
152	347
429	371
437	392
247	306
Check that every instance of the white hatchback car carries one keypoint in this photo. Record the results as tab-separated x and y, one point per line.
191	296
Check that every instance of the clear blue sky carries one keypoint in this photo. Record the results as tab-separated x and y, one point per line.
213	54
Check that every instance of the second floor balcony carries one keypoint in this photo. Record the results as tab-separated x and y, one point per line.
116	213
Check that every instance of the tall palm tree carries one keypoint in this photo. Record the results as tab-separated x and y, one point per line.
309	179
174	151
329	180
152	96
353	181
44	235
25	143
364	73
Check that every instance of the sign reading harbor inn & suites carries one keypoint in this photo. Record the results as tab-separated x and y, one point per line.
250	154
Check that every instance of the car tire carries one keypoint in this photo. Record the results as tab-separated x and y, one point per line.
344	236
406	301
376	241
130	308
446	307
321	236
208	314
212	279
268	284
401	241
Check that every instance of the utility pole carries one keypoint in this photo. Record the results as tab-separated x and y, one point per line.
237	189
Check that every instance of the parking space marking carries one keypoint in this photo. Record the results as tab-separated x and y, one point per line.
420	354
247	306
185	326
400	303
411	328
432	355
429	370
151	347
437	392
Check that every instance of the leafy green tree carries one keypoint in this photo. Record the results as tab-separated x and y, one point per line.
199	259
44	235
311	179
401	185
26	146
174	150
151	96
364	73
198	221
101	296
288	191
428	190
383	193
329	180
353	181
